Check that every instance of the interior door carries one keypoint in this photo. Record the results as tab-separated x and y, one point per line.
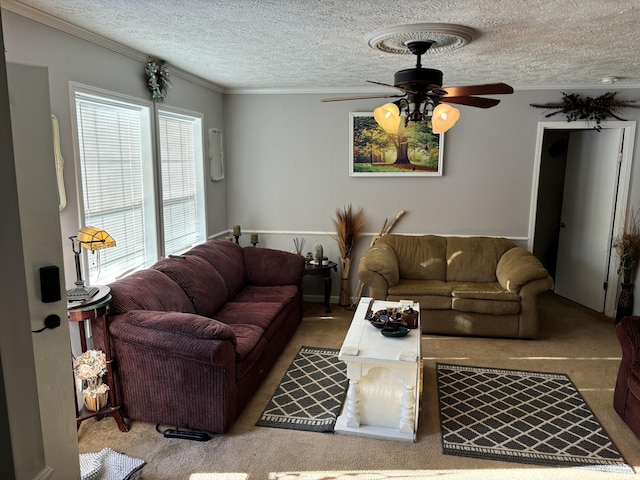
587	216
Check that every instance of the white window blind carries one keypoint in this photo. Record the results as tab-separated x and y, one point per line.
180	140
114	151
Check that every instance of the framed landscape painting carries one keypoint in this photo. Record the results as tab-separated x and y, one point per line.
412	152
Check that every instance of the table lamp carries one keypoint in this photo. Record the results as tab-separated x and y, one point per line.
92	239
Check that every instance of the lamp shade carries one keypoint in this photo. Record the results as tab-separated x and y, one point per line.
444	117
388	117
93	238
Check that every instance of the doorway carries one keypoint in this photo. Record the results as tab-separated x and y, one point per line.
579	196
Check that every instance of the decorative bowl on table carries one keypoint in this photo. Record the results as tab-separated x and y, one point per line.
394	331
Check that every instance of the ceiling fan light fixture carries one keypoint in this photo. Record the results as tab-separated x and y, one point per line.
444	117
388	117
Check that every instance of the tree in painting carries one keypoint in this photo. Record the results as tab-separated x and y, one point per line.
413	148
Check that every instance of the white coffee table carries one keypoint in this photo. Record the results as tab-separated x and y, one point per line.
385	379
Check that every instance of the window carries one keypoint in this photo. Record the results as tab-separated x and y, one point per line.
123	182
180	138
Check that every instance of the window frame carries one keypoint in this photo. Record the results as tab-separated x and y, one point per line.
152	176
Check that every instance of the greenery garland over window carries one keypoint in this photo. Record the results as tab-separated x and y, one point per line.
574	107
158	82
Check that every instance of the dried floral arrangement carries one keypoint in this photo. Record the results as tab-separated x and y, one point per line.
157	74
90	367
349	225
627	247
575	107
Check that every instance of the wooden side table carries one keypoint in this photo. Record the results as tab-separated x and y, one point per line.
323	271
92	309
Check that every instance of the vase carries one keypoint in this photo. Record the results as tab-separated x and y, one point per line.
95	402
625	302
345	288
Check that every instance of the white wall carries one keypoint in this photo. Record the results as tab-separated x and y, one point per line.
70	58
288	155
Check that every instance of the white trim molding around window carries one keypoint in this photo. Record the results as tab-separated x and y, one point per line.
131	159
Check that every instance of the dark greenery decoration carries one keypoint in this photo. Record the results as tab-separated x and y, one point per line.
158	82
574	107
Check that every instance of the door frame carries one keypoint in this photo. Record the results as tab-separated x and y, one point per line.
619	208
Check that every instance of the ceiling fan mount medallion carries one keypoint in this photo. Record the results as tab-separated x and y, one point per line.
423	96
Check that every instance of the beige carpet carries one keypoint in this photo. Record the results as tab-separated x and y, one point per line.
574	340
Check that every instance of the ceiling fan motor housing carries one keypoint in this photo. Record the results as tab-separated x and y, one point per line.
418	79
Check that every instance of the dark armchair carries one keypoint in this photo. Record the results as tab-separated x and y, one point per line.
626	399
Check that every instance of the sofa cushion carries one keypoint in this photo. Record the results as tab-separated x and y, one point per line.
474	259
227	259
265	266
482	291
263	315
419	258
250	345
202	283
148	290
260	293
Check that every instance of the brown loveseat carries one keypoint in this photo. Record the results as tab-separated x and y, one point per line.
479	286
193	337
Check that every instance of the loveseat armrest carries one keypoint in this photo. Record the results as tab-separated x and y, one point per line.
265	266
379	270
518	267
185	335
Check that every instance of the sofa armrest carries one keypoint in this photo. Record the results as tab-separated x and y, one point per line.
185	335
379	270
517	267
265	266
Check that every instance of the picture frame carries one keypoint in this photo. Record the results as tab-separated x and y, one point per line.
374	152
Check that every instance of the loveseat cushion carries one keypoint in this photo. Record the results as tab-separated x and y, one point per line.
474	259
227	259
482	291
493	307
200	281
411	288
419	257
148	290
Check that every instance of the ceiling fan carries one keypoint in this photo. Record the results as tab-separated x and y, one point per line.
424	96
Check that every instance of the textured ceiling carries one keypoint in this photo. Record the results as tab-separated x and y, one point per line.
322	45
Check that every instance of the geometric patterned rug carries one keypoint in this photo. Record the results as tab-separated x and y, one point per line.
521	416
310	394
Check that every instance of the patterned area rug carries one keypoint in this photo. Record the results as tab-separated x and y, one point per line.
310	394
520	416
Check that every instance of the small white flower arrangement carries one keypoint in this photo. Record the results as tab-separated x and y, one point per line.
90	367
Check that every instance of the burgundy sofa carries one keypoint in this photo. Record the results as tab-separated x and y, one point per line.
193	337
626	398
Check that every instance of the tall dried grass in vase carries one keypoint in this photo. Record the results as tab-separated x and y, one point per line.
349	225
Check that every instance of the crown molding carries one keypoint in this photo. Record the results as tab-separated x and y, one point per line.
39	16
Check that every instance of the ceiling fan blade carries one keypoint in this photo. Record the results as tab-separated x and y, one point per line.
359	97
479	102
486	89
392	86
